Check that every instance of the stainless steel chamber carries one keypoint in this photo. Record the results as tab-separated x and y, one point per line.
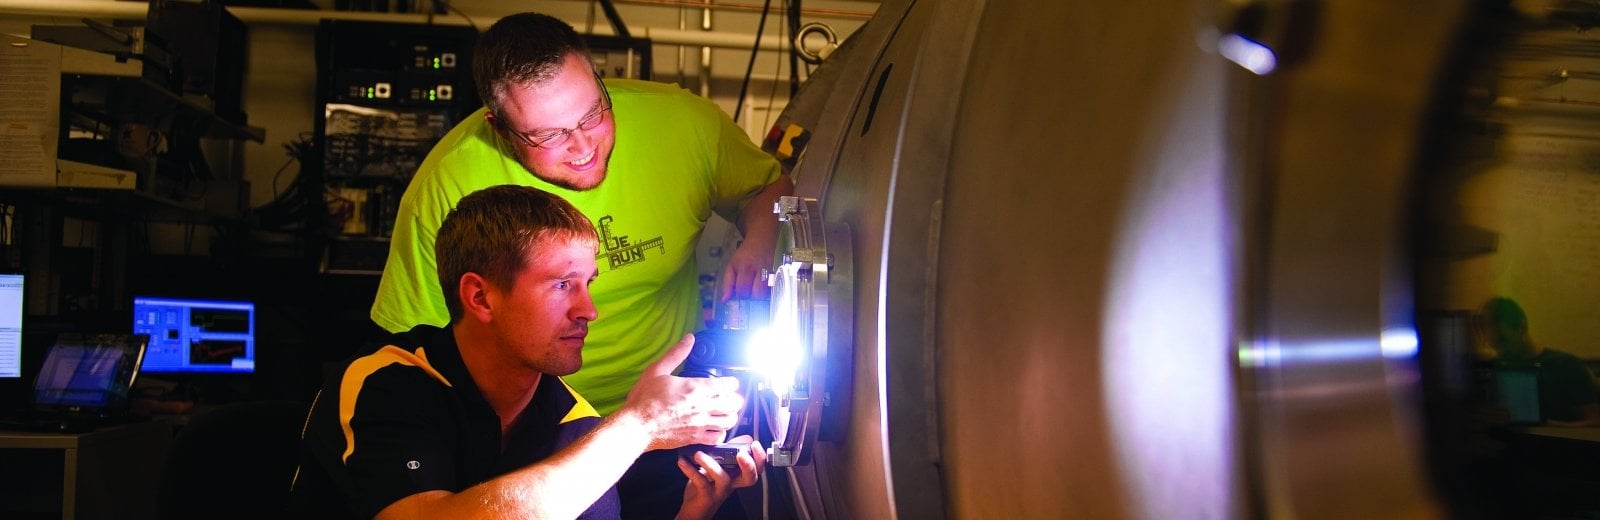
1106	263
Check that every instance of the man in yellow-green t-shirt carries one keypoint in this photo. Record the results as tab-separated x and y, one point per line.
647	162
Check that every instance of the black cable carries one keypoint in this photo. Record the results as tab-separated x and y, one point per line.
292	207
281	197
275	193
7	240
794	50
772	91
451	6
738	106
616	20
188	237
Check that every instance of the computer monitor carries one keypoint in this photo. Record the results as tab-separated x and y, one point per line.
196	336
11	325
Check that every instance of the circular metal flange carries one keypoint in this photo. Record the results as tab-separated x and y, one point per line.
804	300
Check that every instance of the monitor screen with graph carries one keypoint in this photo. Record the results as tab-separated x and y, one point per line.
198	336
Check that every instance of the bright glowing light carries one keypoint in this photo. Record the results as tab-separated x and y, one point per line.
1252	354
1252	56
1167	317
776	357
1324	351
1399	343
1331	351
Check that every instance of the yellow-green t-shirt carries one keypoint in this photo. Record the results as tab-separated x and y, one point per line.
677	159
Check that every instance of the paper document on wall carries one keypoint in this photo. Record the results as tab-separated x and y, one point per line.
30	84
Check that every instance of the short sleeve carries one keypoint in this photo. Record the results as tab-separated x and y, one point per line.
390	438
741	169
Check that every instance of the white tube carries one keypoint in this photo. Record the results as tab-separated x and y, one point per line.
73	8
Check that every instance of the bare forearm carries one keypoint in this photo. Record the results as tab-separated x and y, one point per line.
560	486
662	412
757	217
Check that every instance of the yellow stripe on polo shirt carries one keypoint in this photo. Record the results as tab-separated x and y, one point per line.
580	409
357	374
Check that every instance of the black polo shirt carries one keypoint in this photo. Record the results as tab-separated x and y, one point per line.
407	418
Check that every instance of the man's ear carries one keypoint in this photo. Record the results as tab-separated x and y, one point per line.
494	124
474	291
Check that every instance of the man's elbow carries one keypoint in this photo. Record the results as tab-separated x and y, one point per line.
783	185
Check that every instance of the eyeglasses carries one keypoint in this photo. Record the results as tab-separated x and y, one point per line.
558	137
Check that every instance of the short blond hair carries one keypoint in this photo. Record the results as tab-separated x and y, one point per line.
495	231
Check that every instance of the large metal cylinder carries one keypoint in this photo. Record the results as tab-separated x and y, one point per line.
1046	261
1102	271
1191	260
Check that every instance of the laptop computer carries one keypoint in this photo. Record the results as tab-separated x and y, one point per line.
83	384
1519	394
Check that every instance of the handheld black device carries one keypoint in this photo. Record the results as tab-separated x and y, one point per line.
719	353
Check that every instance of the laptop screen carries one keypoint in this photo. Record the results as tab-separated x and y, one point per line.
197	335
89	372
1519	393
11	325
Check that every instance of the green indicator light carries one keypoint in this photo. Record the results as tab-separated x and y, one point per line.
436	63
431	96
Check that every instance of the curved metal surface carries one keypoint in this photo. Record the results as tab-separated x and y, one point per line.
1004	354
1017	313
849	476
1330	352
1085	269
1103	273
885	463
802	310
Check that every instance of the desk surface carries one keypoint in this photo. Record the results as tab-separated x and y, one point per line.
12	439
1588	434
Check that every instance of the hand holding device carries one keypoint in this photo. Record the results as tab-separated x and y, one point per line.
683	410
712	480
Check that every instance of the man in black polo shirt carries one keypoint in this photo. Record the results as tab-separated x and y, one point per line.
473	420
1565	387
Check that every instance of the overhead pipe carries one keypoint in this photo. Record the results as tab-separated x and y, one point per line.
310	17
705	52
807	11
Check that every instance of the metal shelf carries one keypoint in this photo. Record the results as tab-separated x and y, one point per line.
141	100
